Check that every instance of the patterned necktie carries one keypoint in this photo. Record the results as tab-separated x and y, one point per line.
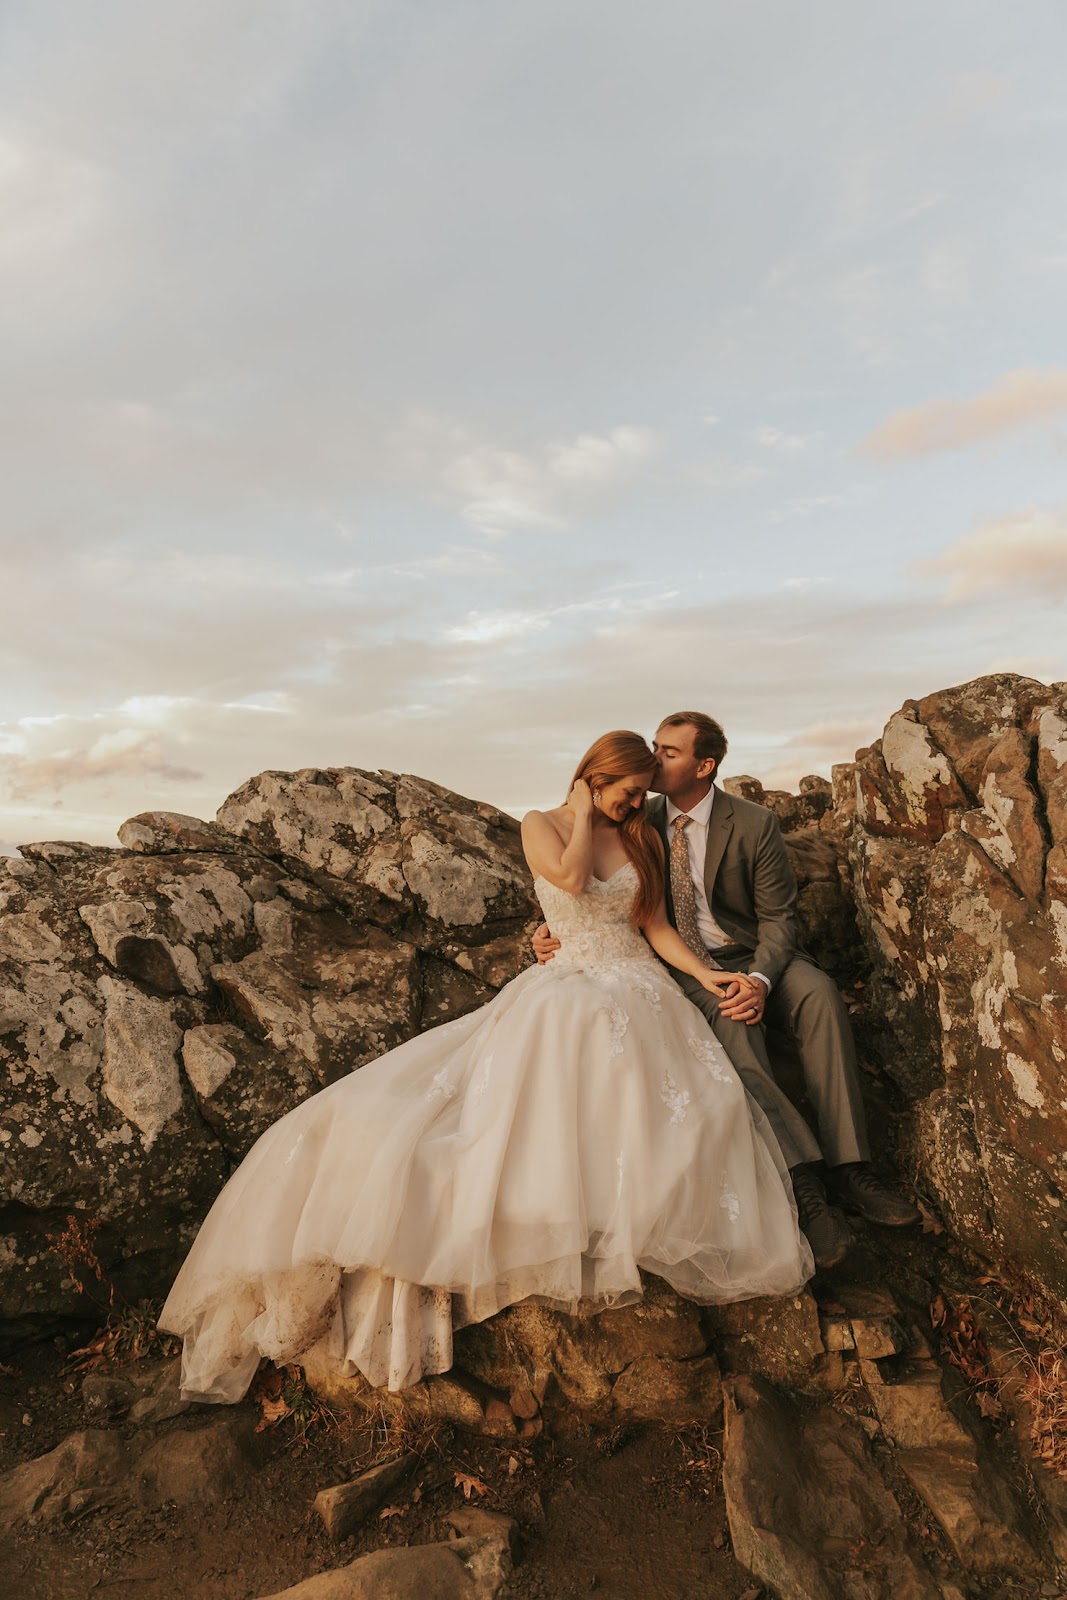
685	905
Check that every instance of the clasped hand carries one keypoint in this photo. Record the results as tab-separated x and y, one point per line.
743	997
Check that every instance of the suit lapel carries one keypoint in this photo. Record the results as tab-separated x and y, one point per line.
719	830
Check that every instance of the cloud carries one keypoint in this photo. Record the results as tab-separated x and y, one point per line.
1025	551
720	472
1019	397
498	490
777	439
124	752
972	94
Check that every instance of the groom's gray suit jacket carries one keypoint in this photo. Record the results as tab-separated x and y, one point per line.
752	892
749	882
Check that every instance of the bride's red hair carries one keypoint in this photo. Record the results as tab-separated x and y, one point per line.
626	755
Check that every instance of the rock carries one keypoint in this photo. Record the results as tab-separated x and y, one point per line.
875	1337
974	1507
836	1334
809	1513
570	1361
338	998
779	1338
792	810
163	920
160	1392
104	1395
523	1402
446	860
451	1397
658	1389
472	1522
912	1408
169	833
343	1507
466	1569
140	1073
87	1471
213	1461
242	1086
161	1005
957	854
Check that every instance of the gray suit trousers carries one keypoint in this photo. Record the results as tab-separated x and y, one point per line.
805	1004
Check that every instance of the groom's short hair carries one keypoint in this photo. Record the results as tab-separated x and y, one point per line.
709	741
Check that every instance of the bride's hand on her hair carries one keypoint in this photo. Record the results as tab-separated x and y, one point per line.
580	798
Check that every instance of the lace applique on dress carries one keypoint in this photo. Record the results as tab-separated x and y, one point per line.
729	1203
648	991
708	1054
481	1079
676	1100
442	1087
618	1022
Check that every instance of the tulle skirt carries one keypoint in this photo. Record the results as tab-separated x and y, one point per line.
584	1125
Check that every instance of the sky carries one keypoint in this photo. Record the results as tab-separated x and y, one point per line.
432	386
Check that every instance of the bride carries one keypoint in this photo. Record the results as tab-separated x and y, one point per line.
583	1126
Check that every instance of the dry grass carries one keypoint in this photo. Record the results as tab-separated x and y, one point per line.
129	1329
1039	1367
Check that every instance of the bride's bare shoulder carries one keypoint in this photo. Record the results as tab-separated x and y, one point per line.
557	820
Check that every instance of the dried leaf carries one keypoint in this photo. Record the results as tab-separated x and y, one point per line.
273	1411
930	1222
470	1485
392	1511
989	1405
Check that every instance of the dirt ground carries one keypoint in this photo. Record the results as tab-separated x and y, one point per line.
627	1512
636	1511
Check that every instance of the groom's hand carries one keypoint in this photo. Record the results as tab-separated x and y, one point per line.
544	946
746	1004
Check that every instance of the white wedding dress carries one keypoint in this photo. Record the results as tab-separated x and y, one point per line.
584	1124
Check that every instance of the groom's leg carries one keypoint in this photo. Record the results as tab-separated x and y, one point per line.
747	1050
806	1004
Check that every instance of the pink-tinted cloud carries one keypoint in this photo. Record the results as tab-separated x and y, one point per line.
26	776
1024	551
1019	397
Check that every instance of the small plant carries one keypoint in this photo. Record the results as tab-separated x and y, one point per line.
129	1328
701	1459
284	1392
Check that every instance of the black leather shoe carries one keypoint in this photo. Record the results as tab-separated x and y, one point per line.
859	1188
824	1226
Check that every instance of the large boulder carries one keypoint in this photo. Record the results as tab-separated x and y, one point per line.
161	1004
959	863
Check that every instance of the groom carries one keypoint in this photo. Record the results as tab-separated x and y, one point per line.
731	893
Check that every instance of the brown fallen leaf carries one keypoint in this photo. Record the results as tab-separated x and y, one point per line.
392	1511
273	1411
470	1485
930	1222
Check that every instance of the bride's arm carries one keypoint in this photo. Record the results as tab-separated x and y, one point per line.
566	865
669	945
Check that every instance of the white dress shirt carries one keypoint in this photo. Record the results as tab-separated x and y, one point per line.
696	839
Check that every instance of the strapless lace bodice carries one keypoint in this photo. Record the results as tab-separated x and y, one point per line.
594	927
